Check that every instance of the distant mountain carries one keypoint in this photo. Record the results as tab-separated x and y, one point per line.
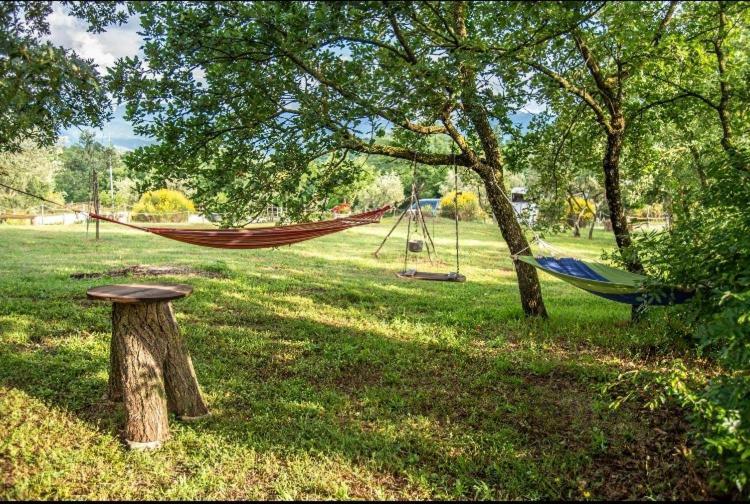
129	144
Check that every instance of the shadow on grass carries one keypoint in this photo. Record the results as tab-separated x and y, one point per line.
362	367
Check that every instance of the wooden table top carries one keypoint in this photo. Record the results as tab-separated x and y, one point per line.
139	293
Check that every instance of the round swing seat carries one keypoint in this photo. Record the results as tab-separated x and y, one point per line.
416	245
413	274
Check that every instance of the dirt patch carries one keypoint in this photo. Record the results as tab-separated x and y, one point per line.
659	464
140	270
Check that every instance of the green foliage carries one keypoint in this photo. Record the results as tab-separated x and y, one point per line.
124	192
385	189
317	78
78	162
43	89
468	206
428	210
163	205
708	248
31	169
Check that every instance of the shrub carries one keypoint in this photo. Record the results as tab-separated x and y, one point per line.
578	208
708	248
654	211
163	205
468	206
428	210
383	190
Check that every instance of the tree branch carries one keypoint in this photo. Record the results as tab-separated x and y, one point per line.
657	103
387	115
566	85
664	22
686	91
428	158
605	89
401	39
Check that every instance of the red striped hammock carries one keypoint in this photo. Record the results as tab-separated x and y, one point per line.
264	237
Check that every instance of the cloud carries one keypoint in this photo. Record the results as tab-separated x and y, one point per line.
103	48
534	107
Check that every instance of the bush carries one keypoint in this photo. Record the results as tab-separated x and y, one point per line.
428	210
708	248
384	190
468	206
163	205
576	207
654	211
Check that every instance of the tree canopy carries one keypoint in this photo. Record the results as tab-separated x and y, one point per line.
43	88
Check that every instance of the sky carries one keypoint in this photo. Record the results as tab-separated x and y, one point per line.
120	41
104	48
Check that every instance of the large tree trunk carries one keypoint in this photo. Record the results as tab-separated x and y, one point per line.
616	208
614	201
491	174
528	280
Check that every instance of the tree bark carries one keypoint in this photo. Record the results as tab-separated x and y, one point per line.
155	372
614	200
114	389
528	280
698	167
491	173
723	108
577	228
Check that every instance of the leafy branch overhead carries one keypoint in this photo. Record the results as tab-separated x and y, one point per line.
43	88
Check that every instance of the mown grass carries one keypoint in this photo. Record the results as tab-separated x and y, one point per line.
328	377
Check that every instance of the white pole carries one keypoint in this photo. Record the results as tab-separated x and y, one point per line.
111	183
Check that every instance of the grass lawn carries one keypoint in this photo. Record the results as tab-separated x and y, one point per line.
328	377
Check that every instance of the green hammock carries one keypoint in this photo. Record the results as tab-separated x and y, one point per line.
607	282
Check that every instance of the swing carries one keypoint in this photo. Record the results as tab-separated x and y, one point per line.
418	244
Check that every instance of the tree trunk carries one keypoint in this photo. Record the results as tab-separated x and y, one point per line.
528	280
577	227
155	372
614	201
591	228
491	174
724	87
698	167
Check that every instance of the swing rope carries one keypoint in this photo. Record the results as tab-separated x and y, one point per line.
455	208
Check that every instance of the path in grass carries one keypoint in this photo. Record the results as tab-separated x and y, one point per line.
328	377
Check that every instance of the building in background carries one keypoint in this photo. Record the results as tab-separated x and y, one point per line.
526	210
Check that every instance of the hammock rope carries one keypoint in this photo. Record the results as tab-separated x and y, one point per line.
263	237
254	238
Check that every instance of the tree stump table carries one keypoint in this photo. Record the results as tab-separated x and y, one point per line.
150	367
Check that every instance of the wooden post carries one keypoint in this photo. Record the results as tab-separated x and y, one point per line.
389	232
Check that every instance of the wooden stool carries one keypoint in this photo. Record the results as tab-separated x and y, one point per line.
150	367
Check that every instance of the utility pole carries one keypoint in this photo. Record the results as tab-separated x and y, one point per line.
111	183
96	199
